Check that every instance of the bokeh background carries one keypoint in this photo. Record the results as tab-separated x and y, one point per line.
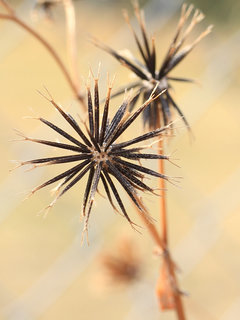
45	273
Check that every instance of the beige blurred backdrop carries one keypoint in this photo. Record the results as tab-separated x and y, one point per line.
45	273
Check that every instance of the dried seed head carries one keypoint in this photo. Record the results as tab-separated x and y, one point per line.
97	153
160	112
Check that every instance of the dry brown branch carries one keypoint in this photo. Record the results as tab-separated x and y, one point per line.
11	16
163	209
167	290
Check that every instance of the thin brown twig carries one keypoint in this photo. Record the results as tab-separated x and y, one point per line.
178	305
7	7
162	198
179	308
11	16
152	230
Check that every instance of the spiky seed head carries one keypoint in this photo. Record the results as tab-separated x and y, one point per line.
97	153
149	74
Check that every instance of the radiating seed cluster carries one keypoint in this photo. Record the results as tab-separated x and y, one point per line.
97	153
160	112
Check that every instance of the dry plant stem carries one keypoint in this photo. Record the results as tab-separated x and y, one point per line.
171	266
179	309
12	17
163	218
71	39
163	211
152	230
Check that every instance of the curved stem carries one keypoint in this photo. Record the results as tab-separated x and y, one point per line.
12	17
152	230
7	6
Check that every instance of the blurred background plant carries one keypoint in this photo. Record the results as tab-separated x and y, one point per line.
44	270
123	263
